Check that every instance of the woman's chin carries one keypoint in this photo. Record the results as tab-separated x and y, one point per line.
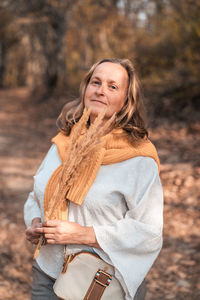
94	111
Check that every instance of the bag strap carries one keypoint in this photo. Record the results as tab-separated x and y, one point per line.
67	259
98	285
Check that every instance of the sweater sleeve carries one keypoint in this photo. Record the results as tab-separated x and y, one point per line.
133	243
31	209
32	205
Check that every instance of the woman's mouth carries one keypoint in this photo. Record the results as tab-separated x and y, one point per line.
98	101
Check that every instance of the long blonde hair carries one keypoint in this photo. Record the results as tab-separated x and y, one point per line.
131	116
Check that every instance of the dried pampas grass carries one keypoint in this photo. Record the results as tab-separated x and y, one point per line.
82	143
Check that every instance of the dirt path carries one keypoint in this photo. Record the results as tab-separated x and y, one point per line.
24	140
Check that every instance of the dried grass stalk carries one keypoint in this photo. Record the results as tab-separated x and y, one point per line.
77	154
82	143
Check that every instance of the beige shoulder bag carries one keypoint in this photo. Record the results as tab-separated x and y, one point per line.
85	276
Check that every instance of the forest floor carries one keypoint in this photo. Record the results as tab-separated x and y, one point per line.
25	133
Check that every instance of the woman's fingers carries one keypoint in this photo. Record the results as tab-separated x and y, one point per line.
32	239
51	226
50	241
51	223
46	230
58	232
35	241
32	235
32	232
49	236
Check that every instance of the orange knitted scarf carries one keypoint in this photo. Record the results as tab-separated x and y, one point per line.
114	147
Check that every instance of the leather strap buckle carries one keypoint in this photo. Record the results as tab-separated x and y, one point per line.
97	277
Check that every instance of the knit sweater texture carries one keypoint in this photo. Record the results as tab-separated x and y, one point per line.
114	147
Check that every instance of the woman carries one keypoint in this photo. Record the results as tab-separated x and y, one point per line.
115	208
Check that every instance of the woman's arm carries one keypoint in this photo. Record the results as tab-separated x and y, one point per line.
133	243
32	211
32	218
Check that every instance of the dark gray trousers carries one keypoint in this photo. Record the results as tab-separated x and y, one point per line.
42	286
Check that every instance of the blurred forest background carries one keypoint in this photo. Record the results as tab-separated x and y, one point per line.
46	46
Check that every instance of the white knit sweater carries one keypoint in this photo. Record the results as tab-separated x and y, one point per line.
125	208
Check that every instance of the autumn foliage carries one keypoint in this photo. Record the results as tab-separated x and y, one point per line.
47	45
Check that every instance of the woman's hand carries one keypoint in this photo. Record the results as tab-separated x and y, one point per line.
65	232
31	234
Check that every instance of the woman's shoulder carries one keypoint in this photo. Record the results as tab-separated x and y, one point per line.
144	162
148	151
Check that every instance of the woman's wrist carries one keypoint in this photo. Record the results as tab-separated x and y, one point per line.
89	237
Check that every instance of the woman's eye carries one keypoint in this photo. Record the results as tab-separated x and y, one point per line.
113	87
96	82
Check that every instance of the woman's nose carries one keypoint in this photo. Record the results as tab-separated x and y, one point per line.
101	90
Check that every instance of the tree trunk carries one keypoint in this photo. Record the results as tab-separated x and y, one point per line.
46	58
2	63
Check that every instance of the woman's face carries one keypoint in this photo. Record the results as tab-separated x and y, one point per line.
106	90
